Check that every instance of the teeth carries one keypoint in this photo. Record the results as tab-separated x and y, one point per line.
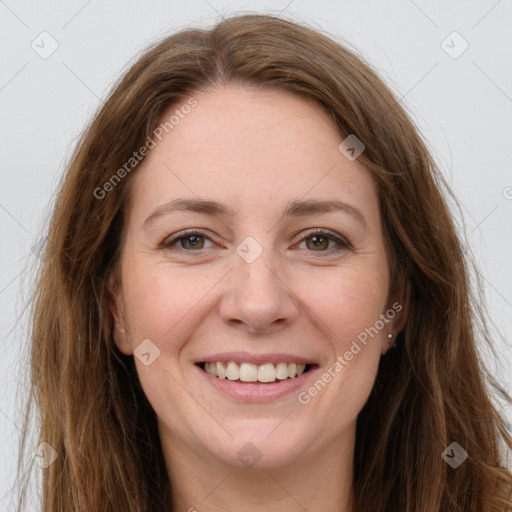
248	372
266	373
221	372
232	371
282	371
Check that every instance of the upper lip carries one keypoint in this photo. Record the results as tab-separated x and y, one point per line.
246	357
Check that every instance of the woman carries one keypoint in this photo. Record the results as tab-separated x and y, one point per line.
254	295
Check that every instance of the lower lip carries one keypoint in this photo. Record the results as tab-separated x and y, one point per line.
257	392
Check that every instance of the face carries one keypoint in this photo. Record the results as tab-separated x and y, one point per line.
252	240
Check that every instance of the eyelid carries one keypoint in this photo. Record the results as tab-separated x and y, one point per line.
168	242
343	242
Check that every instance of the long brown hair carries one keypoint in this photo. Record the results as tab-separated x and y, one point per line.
431	390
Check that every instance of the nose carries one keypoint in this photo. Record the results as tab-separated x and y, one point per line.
258	297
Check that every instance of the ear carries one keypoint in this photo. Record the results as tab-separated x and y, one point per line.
401	308
117	310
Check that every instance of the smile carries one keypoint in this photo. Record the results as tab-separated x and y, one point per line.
249	372
250	377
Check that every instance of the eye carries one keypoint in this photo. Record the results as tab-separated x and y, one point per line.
318	240
321	239
188	240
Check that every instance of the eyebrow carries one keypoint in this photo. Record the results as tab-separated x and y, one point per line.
294	209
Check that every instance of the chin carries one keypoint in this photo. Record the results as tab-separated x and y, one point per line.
259	444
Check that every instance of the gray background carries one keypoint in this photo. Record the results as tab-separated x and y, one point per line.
463	106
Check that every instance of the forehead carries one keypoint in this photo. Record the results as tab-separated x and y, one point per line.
251	149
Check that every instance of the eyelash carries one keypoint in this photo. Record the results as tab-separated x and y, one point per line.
343	244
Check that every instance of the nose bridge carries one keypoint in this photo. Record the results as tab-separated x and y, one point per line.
254	274
258	297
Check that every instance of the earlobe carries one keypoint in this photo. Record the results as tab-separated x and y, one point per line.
399	324
116	309
121	340
401	309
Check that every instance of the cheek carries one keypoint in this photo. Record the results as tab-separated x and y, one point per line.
350	304
164	303
347	306
349	301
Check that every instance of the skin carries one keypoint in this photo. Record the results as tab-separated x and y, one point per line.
255	151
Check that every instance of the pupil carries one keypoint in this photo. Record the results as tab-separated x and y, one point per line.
318	241
193	240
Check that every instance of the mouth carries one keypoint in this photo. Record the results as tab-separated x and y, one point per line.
247	377
250	373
